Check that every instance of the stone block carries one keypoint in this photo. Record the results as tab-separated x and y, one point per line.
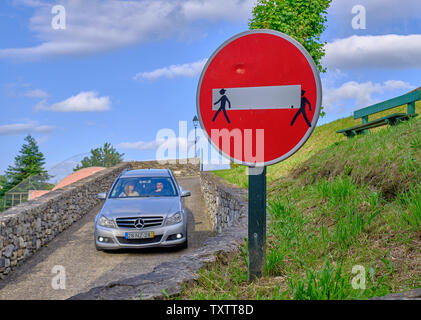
4	263
22	243
8	251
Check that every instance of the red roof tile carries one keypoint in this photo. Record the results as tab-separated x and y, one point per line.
77	175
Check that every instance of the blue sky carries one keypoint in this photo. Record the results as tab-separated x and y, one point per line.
123	70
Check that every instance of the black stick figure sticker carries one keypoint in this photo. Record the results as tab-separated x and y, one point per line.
302	109
223	100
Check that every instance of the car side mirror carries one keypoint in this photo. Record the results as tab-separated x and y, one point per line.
185	193
102	195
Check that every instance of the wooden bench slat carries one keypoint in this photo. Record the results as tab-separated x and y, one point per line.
389	104
377	122
409	99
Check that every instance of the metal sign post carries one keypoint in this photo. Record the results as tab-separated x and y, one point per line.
256	222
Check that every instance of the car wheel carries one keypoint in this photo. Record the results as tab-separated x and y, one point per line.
96	247
185	244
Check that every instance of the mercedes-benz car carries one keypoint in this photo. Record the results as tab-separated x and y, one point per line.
144	208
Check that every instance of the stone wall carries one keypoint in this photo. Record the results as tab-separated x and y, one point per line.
27	227
226	204
414	294
181	168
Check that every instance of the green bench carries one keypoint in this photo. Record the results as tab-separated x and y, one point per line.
409	99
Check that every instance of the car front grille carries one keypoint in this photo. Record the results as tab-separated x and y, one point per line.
123	240
147	221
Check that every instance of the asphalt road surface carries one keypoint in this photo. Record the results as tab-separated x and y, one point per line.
86	268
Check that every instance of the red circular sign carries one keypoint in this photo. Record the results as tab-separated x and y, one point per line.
259	97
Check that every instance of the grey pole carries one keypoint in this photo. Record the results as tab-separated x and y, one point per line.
256	222
195	142
201	159
196	124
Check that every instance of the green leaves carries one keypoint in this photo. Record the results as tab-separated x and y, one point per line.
3	181
301	19
106	156
28	163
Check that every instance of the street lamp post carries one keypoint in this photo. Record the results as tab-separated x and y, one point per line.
196	124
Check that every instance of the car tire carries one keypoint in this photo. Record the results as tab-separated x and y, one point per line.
185	244
96	247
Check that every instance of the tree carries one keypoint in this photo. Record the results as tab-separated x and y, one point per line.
303	20
28	163
106	156
3	182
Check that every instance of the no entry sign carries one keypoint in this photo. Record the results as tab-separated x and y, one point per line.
259	97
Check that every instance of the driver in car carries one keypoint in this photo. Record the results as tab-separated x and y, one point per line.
129	191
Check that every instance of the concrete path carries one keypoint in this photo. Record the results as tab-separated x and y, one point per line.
86	268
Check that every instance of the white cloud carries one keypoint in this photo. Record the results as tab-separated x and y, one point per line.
387	52
85	101
37	93
30	3
24	128
139	145
378	11
172	143
339	98
101	25
216	10
180	70
397	84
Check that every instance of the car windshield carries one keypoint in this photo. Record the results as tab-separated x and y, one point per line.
144	187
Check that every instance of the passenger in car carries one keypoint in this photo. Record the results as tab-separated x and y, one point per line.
129	191
159	187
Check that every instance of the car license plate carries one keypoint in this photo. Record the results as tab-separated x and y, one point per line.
139	235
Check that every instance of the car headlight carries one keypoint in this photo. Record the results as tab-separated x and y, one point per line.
174	218
104	222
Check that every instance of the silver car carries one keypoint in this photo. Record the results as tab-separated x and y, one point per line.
144	208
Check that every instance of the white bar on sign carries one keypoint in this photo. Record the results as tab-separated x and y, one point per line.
249	98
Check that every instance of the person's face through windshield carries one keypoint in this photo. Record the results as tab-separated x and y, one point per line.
159	186
128	188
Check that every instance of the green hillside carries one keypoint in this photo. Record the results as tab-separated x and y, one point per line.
336	206
322	137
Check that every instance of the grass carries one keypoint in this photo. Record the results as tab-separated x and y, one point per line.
322	137
411	208
345	221
385	160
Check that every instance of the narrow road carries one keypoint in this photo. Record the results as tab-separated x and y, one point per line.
86	268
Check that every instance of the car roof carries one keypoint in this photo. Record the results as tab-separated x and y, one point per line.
146	173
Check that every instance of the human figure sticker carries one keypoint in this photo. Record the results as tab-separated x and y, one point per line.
222	101
302	109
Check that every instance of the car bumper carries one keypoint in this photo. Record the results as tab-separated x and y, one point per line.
116	237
